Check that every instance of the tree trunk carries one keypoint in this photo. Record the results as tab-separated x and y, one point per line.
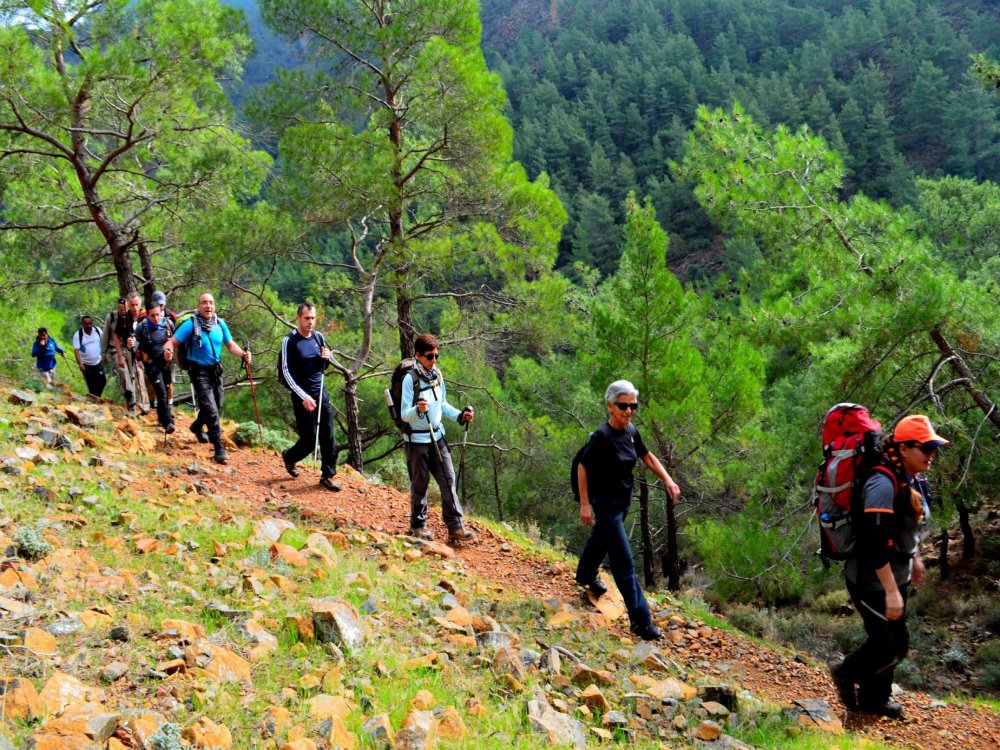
355	452
962	370
945	570
968	536
146	264
404	322
496	486
671	565
649	576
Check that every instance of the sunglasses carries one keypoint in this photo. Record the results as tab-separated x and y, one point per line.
927	450
625	407
431	356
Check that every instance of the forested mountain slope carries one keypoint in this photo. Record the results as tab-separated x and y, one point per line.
602	93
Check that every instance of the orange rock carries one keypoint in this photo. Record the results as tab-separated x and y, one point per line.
62	692
289	555
19	699
276	721
340	736
593	697
205	733
144	545
299	744
450	724
189	630
218	662
40	641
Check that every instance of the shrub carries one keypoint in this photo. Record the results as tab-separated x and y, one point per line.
247	434
848	633
832	603
990	678
31	545
992	621
908	673
749	620
167	738
988	653
955	659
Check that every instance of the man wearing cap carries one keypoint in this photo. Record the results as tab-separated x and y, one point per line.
892	525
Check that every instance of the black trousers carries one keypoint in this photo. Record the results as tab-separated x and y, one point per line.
208	392
160	374
421	462
305	426
871	667
96	379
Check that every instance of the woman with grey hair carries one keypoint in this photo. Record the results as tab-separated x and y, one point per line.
605	479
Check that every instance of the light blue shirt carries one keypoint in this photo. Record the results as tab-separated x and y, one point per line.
437	408
210	351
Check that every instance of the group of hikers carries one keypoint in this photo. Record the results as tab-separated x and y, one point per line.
888	525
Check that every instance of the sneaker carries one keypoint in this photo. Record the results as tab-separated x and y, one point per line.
329	484
460	534
889	709
170	429
143	411
595	587
845	687
421	532
289	466
647	631
198	433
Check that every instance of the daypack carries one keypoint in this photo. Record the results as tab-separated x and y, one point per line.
407	368
851	452
574	481
142	337
281	358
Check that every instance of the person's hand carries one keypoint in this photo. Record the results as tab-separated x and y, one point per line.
131	342
422	406
586	513
673	490
309	403
121	361
168	354
247	356
83	368
919	572
325	353
467	415
104	359
893	605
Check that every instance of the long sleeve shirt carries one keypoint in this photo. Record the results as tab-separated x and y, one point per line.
303	363
45	354
437	408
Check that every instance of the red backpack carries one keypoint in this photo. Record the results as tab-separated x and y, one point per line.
851	451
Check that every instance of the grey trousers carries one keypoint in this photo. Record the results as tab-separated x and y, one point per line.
421	463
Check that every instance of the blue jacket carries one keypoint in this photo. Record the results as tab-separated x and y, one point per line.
45	356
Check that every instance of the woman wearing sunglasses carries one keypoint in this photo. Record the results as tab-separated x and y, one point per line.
605	478
892	526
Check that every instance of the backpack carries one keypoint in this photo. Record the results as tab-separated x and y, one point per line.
851	452
142	337
181	352
394	393
281	359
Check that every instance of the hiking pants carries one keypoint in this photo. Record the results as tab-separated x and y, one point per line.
158	374
305	426
421	462
608	537
133	387
871	666
209	394
96	379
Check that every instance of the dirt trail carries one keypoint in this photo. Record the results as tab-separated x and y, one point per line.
260	478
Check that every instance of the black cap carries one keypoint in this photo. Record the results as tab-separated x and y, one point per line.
121	300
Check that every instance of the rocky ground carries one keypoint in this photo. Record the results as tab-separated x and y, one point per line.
639	692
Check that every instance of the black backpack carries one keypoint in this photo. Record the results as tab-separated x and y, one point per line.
394	393
281	359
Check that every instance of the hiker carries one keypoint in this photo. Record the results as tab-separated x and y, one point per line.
87	348
605	484
886	560
203	336
303	358
159	299
150	336
108	351
44	350
125	356
424	457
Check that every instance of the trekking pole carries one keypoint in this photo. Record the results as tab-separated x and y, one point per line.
319	413
253	394
461	459
66	360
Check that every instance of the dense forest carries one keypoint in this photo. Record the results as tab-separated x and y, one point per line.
752	211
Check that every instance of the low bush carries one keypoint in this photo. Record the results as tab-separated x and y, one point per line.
988	653
247	435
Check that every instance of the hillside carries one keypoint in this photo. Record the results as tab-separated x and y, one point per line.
149	595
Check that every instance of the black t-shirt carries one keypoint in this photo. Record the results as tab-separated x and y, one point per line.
609	458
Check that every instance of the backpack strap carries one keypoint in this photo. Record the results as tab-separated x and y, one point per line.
888	472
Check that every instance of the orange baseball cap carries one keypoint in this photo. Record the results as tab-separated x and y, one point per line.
917	428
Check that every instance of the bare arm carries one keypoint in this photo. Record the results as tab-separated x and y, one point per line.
586	511
657	468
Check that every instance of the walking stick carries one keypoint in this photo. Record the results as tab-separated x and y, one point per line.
253	394
66	360
461	459
319	413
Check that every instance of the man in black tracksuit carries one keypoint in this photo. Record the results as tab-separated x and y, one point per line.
150	336
303	358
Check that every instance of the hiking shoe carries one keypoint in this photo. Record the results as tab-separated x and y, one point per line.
143	411
220	456
595	587
845	686
198	433
889	709
329	484
647	631
170	429
289	466
421	532
461	534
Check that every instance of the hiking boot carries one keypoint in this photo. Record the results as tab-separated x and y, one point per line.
289	466
170	429
889	709
421	532
595	587
845	686
198	432
329	484
647	631
220	456
460	534
143	411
